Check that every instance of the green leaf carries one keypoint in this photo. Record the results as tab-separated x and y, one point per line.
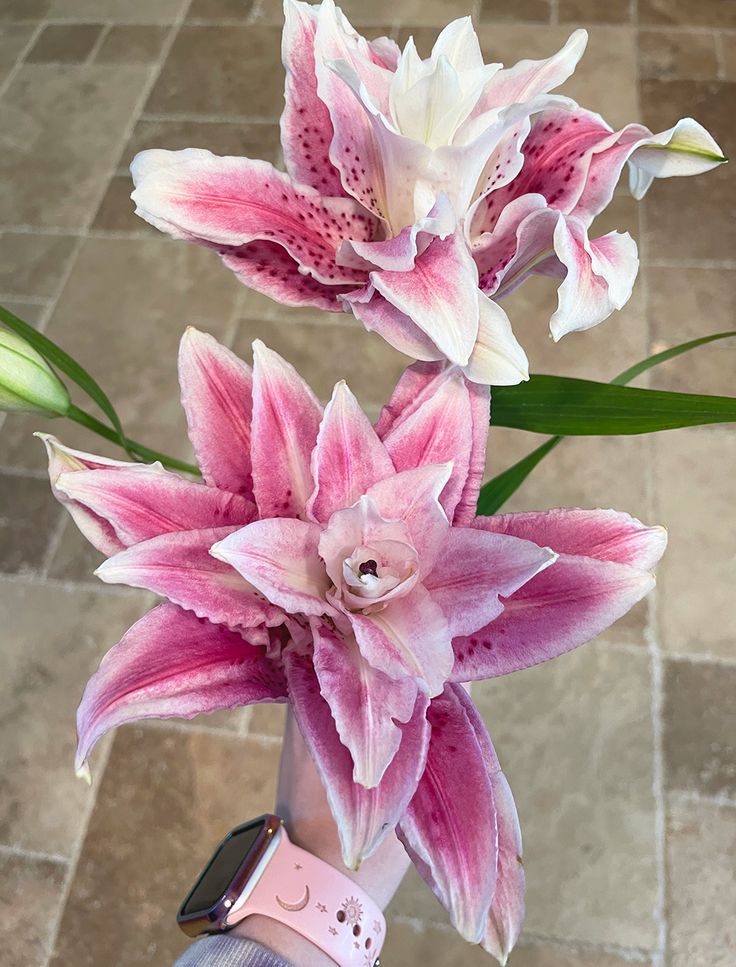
497	491
57	357
581	407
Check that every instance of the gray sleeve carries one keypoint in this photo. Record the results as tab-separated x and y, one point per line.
224	951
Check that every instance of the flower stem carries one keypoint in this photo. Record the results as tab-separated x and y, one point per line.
137	449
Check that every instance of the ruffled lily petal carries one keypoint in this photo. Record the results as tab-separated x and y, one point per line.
142	501
600	276
497	358
480	416
306	129
474	568
409	638
368	707
180	567
364	817
173	664
286	418
280	559
399	330
217	396
63	460
348	457
449	828
507	909
576	598
685	149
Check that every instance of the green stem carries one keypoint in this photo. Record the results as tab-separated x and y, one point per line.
137	449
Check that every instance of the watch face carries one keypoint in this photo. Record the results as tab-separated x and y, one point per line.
225	876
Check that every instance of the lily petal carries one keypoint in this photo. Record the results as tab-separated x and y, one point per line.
475	568
63	460
507	909
228	202
142	501
368	707
217	396
286	419
600	276
686	149
173	664
449	828
280	559
409	638
440	295
497	358
586	590
415	384
306	129
348	457
379	315
480	418
180	567
364	817
439	430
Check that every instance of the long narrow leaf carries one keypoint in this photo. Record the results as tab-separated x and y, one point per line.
62	361
497	491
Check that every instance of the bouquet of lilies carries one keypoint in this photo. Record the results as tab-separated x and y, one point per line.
357	570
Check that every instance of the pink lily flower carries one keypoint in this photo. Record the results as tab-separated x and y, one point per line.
339	566
420	192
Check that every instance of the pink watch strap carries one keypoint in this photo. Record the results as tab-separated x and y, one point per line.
318	902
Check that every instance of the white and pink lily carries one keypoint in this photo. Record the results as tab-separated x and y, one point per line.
339	566
420	192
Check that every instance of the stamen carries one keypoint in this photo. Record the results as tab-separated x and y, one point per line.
369	567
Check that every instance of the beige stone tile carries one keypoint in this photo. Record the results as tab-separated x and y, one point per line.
121	315
701	901
324	353
220	137
220	10
13	41
605	79
595	11
433	947
527	10
53	640
693	473
687	303
700	727
23	10
267	719
221	71
27	520
74	559
28	884
169	796
676	55
120	11
728	56
691	218
435	13
67	125
29	312
64	44
132	44
33	265
708	369
117	211
708	13
575	739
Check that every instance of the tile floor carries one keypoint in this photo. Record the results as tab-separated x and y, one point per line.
621	755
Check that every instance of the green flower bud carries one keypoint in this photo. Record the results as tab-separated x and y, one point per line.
27	382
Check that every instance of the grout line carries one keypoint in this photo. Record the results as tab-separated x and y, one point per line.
188	727
66	889
699	658
53	545
29	300
554	12
210	118
72	587
692	795
33	855
98	43
660	263
21	58
720	54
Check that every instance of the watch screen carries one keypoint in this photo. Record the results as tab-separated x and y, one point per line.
221	869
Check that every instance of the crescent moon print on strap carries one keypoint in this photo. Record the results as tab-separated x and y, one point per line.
293	907
319	902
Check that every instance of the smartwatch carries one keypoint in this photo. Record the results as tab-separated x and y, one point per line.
257	869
